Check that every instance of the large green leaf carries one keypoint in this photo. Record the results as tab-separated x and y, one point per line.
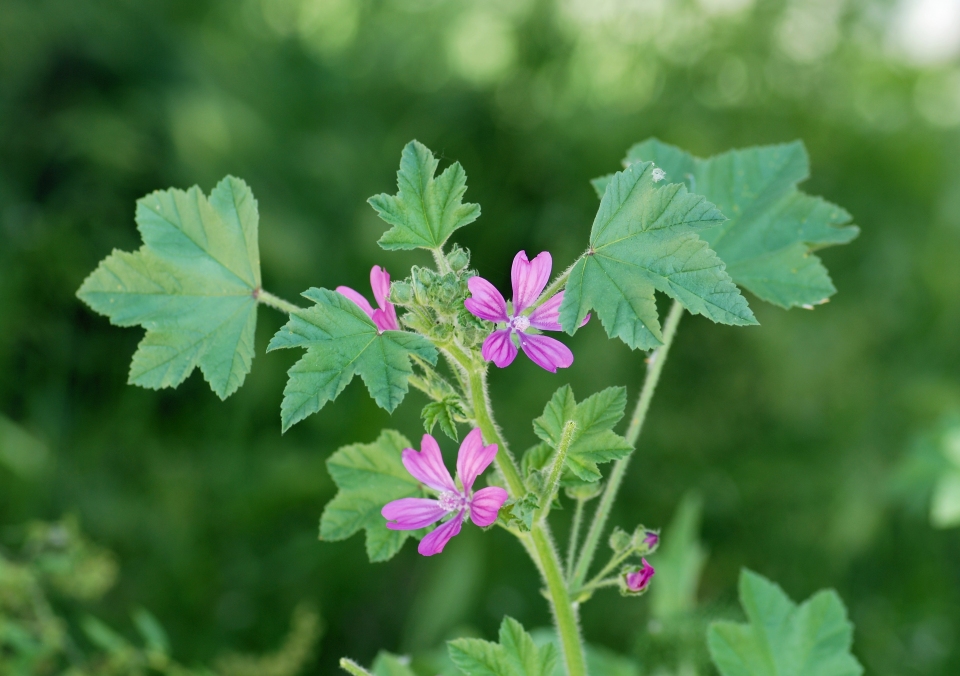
369	476
593	439
644	238
341	342
192	286
782	638
515	655
426	210
773	227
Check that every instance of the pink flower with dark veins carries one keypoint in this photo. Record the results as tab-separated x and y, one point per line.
529	279
458	498
385	316
640	580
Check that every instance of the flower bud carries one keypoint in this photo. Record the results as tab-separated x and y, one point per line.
401	293
639	580
458	258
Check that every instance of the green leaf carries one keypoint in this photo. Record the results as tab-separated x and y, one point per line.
426	210
341	342
191	285
519	512
773	227
593	440
445	412
369	476
782	638
388	664
515	655
644	239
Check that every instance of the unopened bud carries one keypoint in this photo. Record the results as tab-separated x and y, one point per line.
401	293
639	580
458	258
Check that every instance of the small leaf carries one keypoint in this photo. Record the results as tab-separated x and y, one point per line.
593	440
369	476
515	655
445	413
519	512
426	210
191	286
773	227
782	638
644	239
341	342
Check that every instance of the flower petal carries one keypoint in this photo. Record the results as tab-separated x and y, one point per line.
485	301
499	349
529	278
473	458
356	298
547	316
412	513
485	504
546	352
435	541
380	283
640	580
386	320
427	466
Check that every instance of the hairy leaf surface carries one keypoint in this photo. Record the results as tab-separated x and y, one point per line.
593	439
782	638
369	476
427	209
515	655
191	285
773	227
644	239
341	342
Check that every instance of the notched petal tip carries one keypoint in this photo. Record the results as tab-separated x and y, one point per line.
473	458
546	352
437	539
499	348
427	465
529	278
486	504
485	301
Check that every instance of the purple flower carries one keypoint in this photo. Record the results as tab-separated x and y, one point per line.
385	316
529	279
638	581
651	540
427	467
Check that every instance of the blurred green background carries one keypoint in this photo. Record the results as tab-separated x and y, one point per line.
789	431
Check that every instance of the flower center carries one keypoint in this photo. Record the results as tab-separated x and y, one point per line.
520	323
451	501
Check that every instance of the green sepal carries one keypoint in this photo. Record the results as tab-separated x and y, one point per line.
341	342
445	413
369	476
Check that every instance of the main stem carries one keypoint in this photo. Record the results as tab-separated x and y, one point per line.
656	362
537	541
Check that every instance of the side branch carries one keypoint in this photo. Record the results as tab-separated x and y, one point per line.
277	303
656	362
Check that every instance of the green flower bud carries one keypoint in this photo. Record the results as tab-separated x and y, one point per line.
401	293
458	258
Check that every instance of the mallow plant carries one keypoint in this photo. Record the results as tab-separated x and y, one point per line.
695	230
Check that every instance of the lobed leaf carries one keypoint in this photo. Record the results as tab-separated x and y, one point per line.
773	227
426	210
515	655
782	638
594	440
645	239
341	342
192	286
369	476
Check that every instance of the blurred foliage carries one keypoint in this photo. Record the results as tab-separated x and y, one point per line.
57	565
789	431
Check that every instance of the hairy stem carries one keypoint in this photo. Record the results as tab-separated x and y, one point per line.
574	536
656	362
275	302
538	541
566	439
443	267
352	667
